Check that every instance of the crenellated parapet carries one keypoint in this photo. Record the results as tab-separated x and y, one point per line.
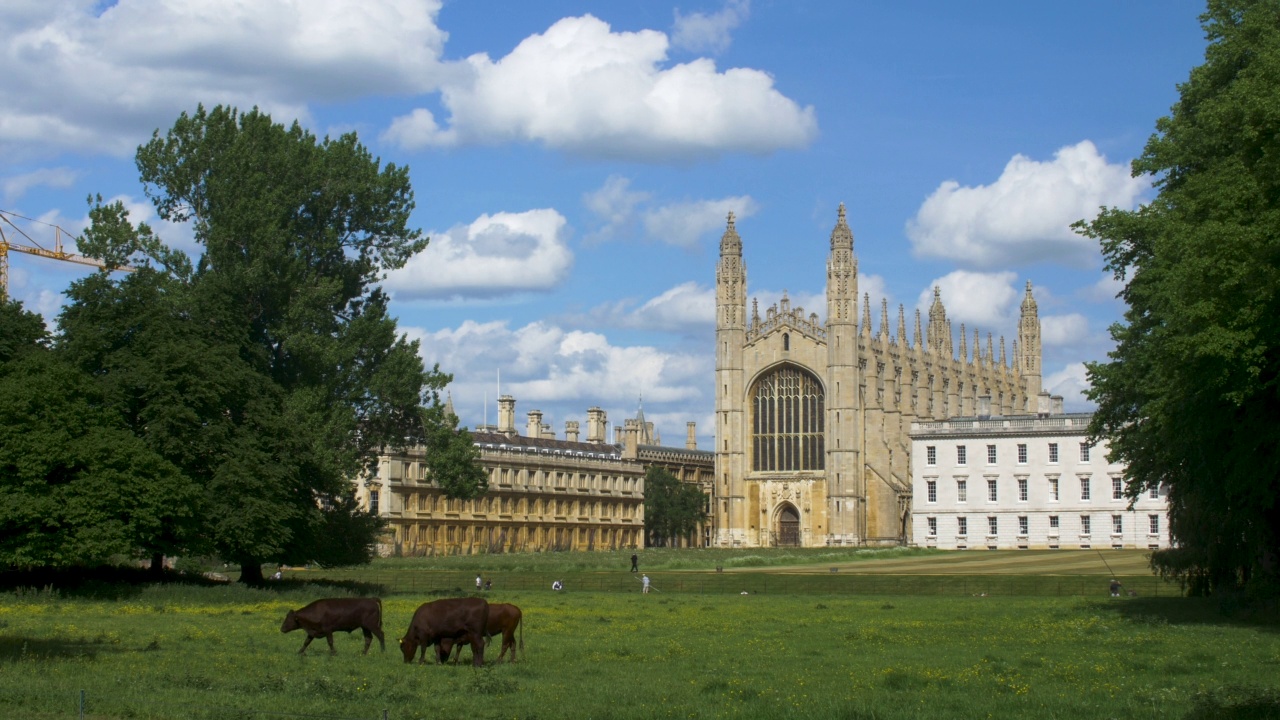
780	315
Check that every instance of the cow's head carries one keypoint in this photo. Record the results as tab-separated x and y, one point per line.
408	647
290	623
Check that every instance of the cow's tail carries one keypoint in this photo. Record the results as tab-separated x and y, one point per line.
513	652
379	601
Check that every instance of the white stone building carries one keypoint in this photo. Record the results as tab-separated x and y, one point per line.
1006	482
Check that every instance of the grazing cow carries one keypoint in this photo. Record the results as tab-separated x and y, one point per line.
323	618
452	619
504	619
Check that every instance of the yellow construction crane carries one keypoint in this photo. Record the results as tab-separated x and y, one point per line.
9	231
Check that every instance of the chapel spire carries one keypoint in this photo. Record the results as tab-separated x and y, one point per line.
1029	349
841	235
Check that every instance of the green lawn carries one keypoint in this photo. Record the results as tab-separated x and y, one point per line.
184	652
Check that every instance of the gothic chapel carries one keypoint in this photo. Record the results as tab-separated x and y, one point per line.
812	417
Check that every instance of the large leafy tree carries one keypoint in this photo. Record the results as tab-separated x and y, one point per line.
672	509
1190	396
308	377
76	487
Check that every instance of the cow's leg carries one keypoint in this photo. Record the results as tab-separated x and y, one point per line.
332	650
508	643
381	642
305	643
477	649
368	640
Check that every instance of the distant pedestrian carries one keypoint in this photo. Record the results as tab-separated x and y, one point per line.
479	583
557	585
644	580
635	562
488	584
1115	588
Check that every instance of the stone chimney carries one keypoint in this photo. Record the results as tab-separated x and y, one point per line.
596	425
984	406
547	432
507	414
1044	403
691	437
1055	405
534	426
617	434
630	439
571	430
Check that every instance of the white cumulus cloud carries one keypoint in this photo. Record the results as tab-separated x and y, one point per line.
984	301
1070	382
709	32
683	224
562	372
500	254
620	211
101	76
583	88
16	186
687	308
1024	216
1067	330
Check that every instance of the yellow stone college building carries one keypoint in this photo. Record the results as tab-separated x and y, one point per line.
545	493
813	416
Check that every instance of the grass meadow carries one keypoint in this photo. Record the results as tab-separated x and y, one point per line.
179	651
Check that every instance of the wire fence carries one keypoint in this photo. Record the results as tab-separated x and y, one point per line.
836	582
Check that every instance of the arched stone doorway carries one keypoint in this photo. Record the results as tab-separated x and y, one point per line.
788	526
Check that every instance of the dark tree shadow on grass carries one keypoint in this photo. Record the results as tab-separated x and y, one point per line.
1193	611
25	649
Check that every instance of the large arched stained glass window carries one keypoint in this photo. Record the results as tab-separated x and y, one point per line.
787	421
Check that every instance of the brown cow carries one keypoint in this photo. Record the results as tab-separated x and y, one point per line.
504	619
323	618
451	619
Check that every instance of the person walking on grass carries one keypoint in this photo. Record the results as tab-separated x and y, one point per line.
1115	588
479	582
644	580
635	562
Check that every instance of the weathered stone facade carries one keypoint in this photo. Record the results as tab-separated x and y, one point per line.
544	493
812	416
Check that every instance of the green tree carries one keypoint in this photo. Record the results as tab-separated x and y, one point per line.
672	509
1190	395
452	456
311	379
75	485
21	332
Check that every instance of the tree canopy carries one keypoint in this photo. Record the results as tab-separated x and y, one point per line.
269	370
672	509
76	487
1190	395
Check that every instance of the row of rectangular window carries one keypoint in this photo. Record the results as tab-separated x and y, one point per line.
962	454
962	490
993	525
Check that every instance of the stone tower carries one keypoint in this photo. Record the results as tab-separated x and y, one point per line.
1029	350
731	318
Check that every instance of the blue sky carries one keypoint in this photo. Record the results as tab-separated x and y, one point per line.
574	161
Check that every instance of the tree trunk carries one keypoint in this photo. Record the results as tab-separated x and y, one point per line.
157	564
251	573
